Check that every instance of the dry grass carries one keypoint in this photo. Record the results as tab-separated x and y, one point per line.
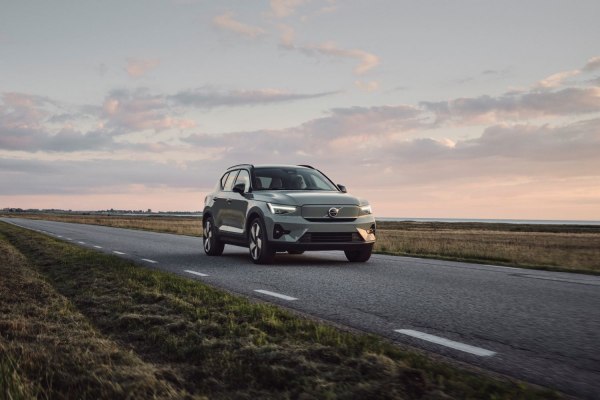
82	324
554	247
560	248
178	225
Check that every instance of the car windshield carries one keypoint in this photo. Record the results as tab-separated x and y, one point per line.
290	179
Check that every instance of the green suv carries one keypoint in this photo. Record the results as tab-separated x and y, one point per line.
285	208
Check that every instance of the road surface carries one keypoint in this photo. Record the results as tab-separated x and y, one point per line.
542	327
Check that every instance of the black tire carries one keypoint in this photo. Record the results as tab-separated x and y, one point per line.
212	245
258	243
295	252
361	255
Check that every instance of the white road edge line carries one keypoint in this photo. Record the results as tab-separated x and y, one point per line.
194	272
279	295
150	261
118	252
98	247
478	351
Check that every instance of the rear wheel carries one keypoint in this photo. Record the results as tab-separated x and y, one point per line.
360	255
212	245
260	251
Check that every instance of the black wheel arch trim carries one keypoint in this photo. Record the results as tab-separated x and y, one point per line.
252	211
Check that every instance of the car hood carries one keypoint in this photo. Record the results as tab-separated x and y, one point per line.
301	198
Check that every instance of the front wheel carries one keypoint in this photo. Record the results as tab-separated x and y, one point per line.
212	245
360	255
260	251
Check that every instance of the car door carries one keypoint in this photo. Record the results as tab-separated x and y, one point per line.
238	203
220	205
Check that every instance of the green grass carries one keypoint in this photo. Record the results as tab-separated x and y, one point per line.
121	330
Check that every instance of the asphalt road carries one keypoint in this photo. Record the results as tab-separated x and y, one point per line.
542	327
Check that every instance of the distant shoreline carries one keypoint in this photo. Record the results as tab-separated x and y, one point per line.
492	221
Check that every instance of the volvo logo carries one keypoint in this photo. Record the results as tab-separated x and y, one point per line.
333	212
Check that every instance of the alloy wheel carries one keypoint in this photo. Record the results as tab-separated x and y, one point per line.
255	241
208	234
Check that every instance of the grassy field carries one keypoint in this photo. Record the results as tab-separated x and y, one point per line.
550	247
75	323
553	247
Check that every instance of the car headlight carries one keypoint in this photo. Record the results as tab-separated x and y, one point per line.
365	209
279	209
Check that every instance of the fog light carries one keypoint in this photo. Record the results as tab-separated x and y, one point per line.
279	231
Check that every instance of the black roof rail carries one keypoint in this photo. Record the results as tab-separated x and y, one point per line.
239	165
307	166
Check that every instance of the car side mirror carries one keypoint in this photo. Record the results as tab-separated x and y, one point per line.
239	188
342	188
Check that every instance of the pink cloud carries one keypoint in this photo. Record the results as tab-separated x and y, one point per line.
136	68
228	23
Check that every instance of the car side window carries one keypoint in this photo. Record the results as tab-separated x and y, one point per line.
223	180
230	179
243	177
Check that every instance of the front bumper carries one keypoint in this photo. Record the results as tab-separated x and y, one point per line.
297	233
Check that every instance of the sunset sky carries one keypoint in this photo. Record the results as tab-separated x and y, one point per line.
442	109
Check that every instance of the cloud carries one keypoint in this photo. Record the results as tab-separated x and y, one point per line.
337	136
287	36
228	23
372	150
33	177
557	79
127	111
209	98
593	64
284	8
136	68
533	104
65	140
367	86
366	60
548	144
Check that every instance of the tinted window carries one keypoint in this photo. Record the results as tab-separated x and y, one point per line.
291	179
229	183
243	177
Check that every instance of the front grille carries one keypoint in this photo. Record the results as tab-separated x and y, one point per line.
330	219
321	211
330	237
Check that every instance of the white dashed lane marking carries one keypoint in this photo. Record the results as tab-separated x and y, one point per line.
195	273
278	295
81	242
98	247
118	252
150	261
478	351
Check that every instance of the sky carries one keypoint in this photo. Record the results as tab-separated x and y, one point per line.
431	109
